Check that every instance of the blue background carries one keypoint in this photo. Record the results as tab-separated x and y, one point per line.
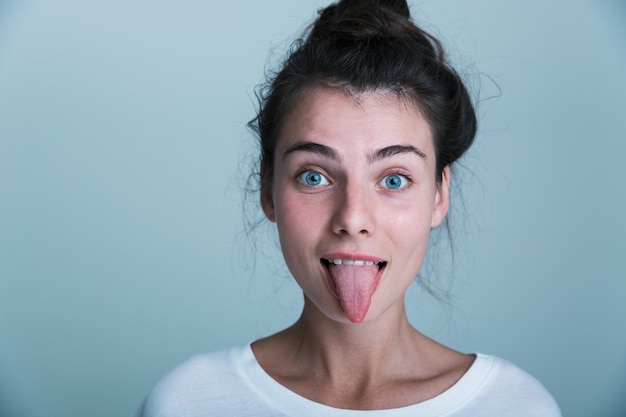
123	158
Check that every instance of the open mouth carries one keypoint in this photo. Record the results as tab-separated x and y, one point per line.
353	282
351	262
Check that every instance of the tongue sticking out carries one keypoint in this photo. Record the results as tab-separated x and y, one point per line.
355	287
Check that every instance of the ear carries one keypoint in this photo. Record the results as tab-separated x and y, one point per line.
267	201
442	198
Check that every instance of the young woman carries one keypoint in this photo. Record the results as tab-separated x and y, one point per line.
358	132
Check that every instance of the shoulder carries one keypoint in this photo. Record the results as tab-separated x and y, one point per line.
509	390
200	380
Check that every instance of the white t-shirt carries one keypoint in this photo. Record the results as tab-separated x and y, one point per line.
232	383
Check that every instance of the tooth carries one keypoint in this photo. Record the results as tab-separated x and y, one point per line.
352	262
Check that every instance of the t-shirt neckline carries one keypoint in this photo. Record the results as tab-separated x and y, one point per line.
293	404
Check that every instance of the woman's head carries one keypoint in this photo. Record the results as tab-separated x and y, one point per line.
361	46
354	198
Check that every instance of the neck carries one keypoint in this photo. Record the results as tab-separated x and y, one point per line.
380	363
332	350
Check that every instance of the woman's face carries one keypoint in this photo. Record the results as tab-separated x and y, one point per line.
354	198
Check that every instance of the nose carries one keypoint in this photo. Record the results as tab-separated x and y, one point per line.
353	213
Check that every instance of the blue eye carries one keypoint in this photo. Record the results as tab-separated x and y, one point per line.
395	181
313	178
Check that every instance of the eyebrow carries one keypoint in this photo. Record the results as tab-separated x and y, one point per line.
312	147
330	153
395	150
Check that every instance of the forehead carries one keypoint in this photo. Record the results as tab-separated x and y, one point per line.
342	119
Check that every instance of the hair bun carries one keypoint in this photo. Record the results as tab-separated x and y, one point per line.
363	19
399	6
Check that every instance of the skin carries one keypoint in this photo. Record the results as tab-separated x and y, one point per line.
357	143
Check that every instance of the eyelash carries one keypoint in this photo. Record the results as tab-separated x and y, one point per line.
408	178
311	170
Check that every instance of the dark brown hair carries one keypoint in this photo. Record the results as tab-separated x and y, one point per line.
369	45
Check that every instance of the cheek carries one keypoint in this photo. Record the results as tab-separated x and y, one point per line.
291	211
300	231
410	227
297	219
